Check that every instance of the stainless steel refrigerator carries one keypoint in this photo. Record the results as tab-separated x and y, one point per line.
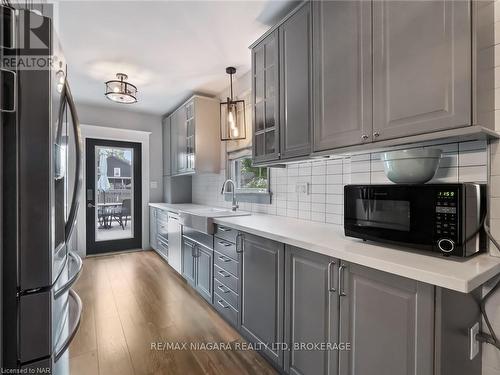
41	165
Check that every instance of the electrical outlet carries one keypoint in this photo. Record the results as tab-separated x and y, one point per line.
473	343
302	188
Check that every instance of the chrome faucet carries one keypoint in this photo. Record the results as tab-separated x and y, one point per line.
234	206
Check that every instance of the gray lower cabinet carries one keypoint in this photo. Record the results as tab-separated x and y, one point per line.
388	321
262	293
204	272
342	73
311	312
188	261
421	75
296	84
153	228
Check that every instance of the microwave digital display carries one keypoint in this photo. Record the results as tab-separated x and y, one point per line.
446	194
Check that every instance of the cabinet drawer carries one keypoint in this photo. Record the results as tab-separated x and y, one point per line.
226	263
162	215
225	309
226	278
227	294
225	248
226	233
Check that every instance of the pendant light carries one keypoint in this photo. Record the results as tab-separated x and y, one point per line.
121	91
232	115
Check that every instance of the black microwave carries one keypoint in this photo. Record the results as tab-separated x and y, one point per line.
443	218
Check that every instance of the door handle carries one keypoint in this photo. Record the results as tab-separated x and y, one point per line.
341	280
330	276
67	96
90	205
239	241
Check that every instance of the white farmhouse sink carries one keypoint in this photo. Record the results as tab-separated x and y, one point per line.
203	218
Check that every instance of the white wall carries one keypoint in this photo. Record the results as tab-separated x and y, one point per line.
123	118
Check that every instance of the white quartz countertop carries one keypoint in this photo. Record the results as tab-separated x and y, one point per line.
463	275
176	207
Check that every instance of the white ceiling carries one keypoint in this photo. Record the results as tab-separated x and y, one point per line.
169	49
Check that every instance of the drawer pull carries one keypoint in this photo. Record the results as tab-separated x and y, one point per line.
224	243
221	302
224	229
222	289
224	259
223	274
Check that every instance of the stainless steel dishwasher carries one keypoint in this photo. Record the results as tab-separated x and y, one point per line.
174	241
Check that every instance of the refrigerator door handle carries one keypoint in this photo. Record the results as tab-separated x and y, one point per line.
66	95
75	315
74	258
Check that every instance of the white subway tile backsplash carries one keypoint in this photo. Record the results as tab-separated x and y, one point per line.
466	161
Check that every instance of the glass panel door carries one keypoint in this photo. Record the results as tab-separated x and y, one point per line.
114	174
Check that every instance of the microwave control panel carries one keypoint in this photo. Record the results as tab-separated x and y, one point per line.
446	228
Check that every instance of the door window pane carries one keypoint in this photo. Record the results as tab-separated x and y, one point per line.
114	176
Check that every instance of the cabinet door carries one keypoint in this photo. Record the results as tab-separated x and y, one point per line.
166	146
204	275
262	294
421	67
153	229
179	141
265	98
188	262
296	84
311	312
388	321
190	136
342	73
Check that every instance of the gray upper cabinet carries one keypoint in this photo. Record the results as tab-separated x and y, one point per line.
265	99
194	137
389	321
296	84
262	294
204	272
342	73
167	164
311	312
421	67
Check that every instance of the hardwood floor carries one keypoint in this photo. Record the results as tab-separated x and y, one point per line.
132	300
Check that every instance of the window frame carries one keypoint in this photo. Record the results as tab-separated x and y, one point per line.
249	195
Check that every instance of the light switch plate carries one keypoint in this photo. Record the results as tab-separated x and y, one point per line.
473	343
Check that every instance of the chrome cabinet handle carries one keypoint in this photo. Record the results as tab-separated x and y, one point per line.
240	238
376	134
224	243
224	259
364	137
341	280
222	289
330	276
223	229
221	303
223	274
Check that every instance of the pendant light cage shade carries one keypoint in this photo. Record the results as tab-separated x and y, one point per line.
232	115
232	120
121	91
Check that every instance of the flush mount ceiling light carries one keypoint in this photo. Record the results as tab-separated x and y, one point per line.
232	115
120	91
